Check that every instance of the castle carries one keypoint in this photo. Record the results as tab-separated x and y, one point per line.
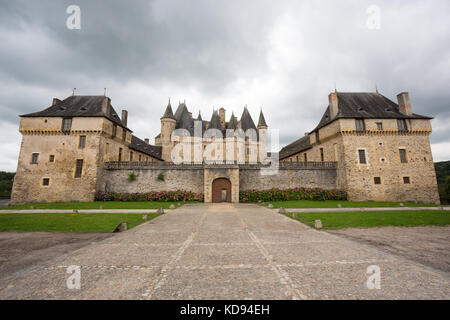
364	144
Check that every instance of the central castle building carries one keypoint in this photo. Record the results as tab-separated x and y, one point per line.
365	144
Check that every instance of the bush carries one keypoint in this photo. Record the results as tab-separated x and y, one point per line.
291	194
132	177
160	176
165	196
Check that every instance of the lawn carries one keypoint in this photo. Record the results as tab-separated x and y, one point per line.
68	222
345	204
341	220
96	205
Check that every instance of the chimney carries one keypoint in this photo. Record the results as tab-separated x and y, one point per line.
147	140
333	101
124	117
222	117
106	104
404	104
55	101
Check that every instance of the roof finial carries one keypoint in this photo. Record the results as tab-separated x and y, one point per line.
73	91
335	87
104	92
376	88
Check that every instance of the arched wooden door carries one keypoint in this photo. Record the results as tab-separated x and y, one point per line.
221	190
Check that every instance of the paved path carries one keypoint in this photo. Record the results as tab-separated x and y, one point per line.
143	211
226	251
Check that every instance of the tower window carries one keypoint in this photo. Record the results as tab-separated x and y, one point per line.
66	125
305	156
82	142
362	156
360	125
45	181
131	156
379	126
51	158
321	155
317	137
401	123
79	168
120	154
406	180
377	180
124	134
114	131
34	158
403	158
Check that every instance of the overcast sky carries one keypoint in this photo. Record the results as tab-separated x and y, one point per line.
283	56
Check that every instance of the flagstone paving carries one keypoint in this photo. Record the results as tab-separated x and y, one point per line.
227	251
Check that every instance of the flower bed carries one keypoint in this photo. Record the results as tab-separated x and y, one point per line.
167	196
291	194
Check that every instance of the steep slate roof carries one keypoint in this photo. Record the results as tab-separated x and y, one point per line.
233	123
79	106
366	105
168	113
215	121
141	146
297	146
247	121
261	121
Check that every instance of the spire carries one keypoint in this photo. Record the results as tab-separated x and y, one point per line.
215	121
262	121
199	118
168	114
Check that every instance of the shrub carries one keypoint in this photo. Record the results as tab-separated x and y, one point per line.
165	196
132	177
160	176
291	194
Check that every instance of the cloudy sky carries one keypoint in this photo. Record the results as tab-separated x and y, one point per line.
283	56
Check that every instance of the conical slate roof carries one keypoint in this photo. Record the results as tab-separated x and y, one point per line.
247	121
233	123
262	121
215	121
199	116
168	114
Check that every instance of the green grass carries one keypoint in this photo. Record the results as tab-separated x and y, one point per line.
345	204
95	205
341	220
68	222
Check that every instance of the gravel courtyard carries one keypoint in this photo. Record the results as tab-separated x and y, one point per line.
226	251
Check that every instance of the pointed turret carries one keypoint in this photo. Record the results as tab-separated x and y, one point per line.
168	114
246	120
262	121
233	123
199	118
215	121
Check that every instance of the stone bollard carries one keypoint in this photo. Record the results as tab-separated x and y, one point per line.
121	227
160	211
282	210
318	224
145	217
172	206
339	205
75	211
270	206
402	205
101	208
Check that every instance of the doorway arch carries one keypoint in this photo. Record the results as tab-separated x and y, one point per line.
221	190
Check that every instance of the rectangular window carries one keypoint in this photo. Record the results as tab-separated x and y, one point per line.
34	158
321	155
82	142
124	134
79	168
131	156
140	158
305	156
360	125
401	123
45	181
51	158
66	125
120	154
403	155
114	131
317	137
406	180
362	156
296	158
379	126
377	180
